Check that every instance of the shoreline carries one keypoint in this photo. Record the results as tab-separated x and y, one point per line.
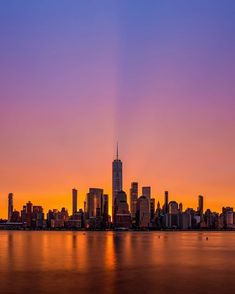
116	231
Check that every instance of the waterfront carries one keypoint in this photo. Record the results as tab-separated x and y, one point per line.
117	262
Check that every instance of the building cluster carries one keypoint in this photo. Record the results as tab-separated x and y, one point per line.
141	214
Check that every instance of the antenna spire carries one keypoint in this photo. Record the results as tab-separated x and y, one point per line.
117	150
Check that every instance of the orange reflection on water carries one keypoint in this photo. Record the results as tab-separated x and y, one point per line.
110	258
116	262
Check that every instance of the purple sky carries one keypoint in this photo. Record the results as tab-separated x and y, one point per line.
76	76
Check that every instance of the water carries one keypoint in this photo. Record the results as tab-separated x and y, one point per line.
125	262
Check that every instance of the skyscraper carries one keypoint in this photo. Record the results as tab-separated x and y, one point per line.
173	207
200	204
116	179
10	206
122	216
173	216
37	217
74	201
29	210
142	212
105	209
94	202
152	208
133	198
166	207
181	207
146	191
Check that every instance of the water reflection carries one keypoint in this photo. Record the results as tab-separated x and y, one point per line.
77	262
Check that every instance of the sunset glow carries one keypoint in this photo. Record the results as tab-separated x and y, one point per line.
78	76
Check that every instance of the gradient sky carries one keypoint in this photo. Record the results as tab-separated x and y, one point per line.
76	76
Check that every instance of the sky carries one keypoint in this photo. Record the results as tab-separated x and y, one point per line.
78	76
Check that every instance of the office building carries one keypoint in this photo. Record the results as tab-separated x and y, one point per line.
116	179
133	198
200	204
142	212
122	216
10	206
166	208
152	208
105	210
146	192
94	202
173	215
74	201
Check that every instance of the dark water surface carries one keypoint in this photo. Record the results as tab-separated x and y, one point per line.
99	262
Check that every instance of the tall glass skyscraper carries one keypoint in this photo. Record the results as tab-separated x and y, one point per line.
116	179
133	198
10	206
74	201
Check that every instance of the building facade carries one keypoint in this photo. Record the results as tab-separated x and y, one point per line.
116	179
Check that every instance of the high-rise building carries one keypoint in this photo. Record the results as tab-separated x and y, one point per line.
173	215
23	214
173	207
133	198
158	219
200	204
158	206
94	202
152	208
15	218
186	220
146	191
142	212
116	179
58	219
227	213
10	206
122	216
105	209
229	220
37	217
181	207
166	206
74	201
28	210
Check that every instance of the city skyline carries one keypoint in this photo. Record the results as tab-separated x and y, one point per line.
117	166
141	213
132	196
157	77
116	185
